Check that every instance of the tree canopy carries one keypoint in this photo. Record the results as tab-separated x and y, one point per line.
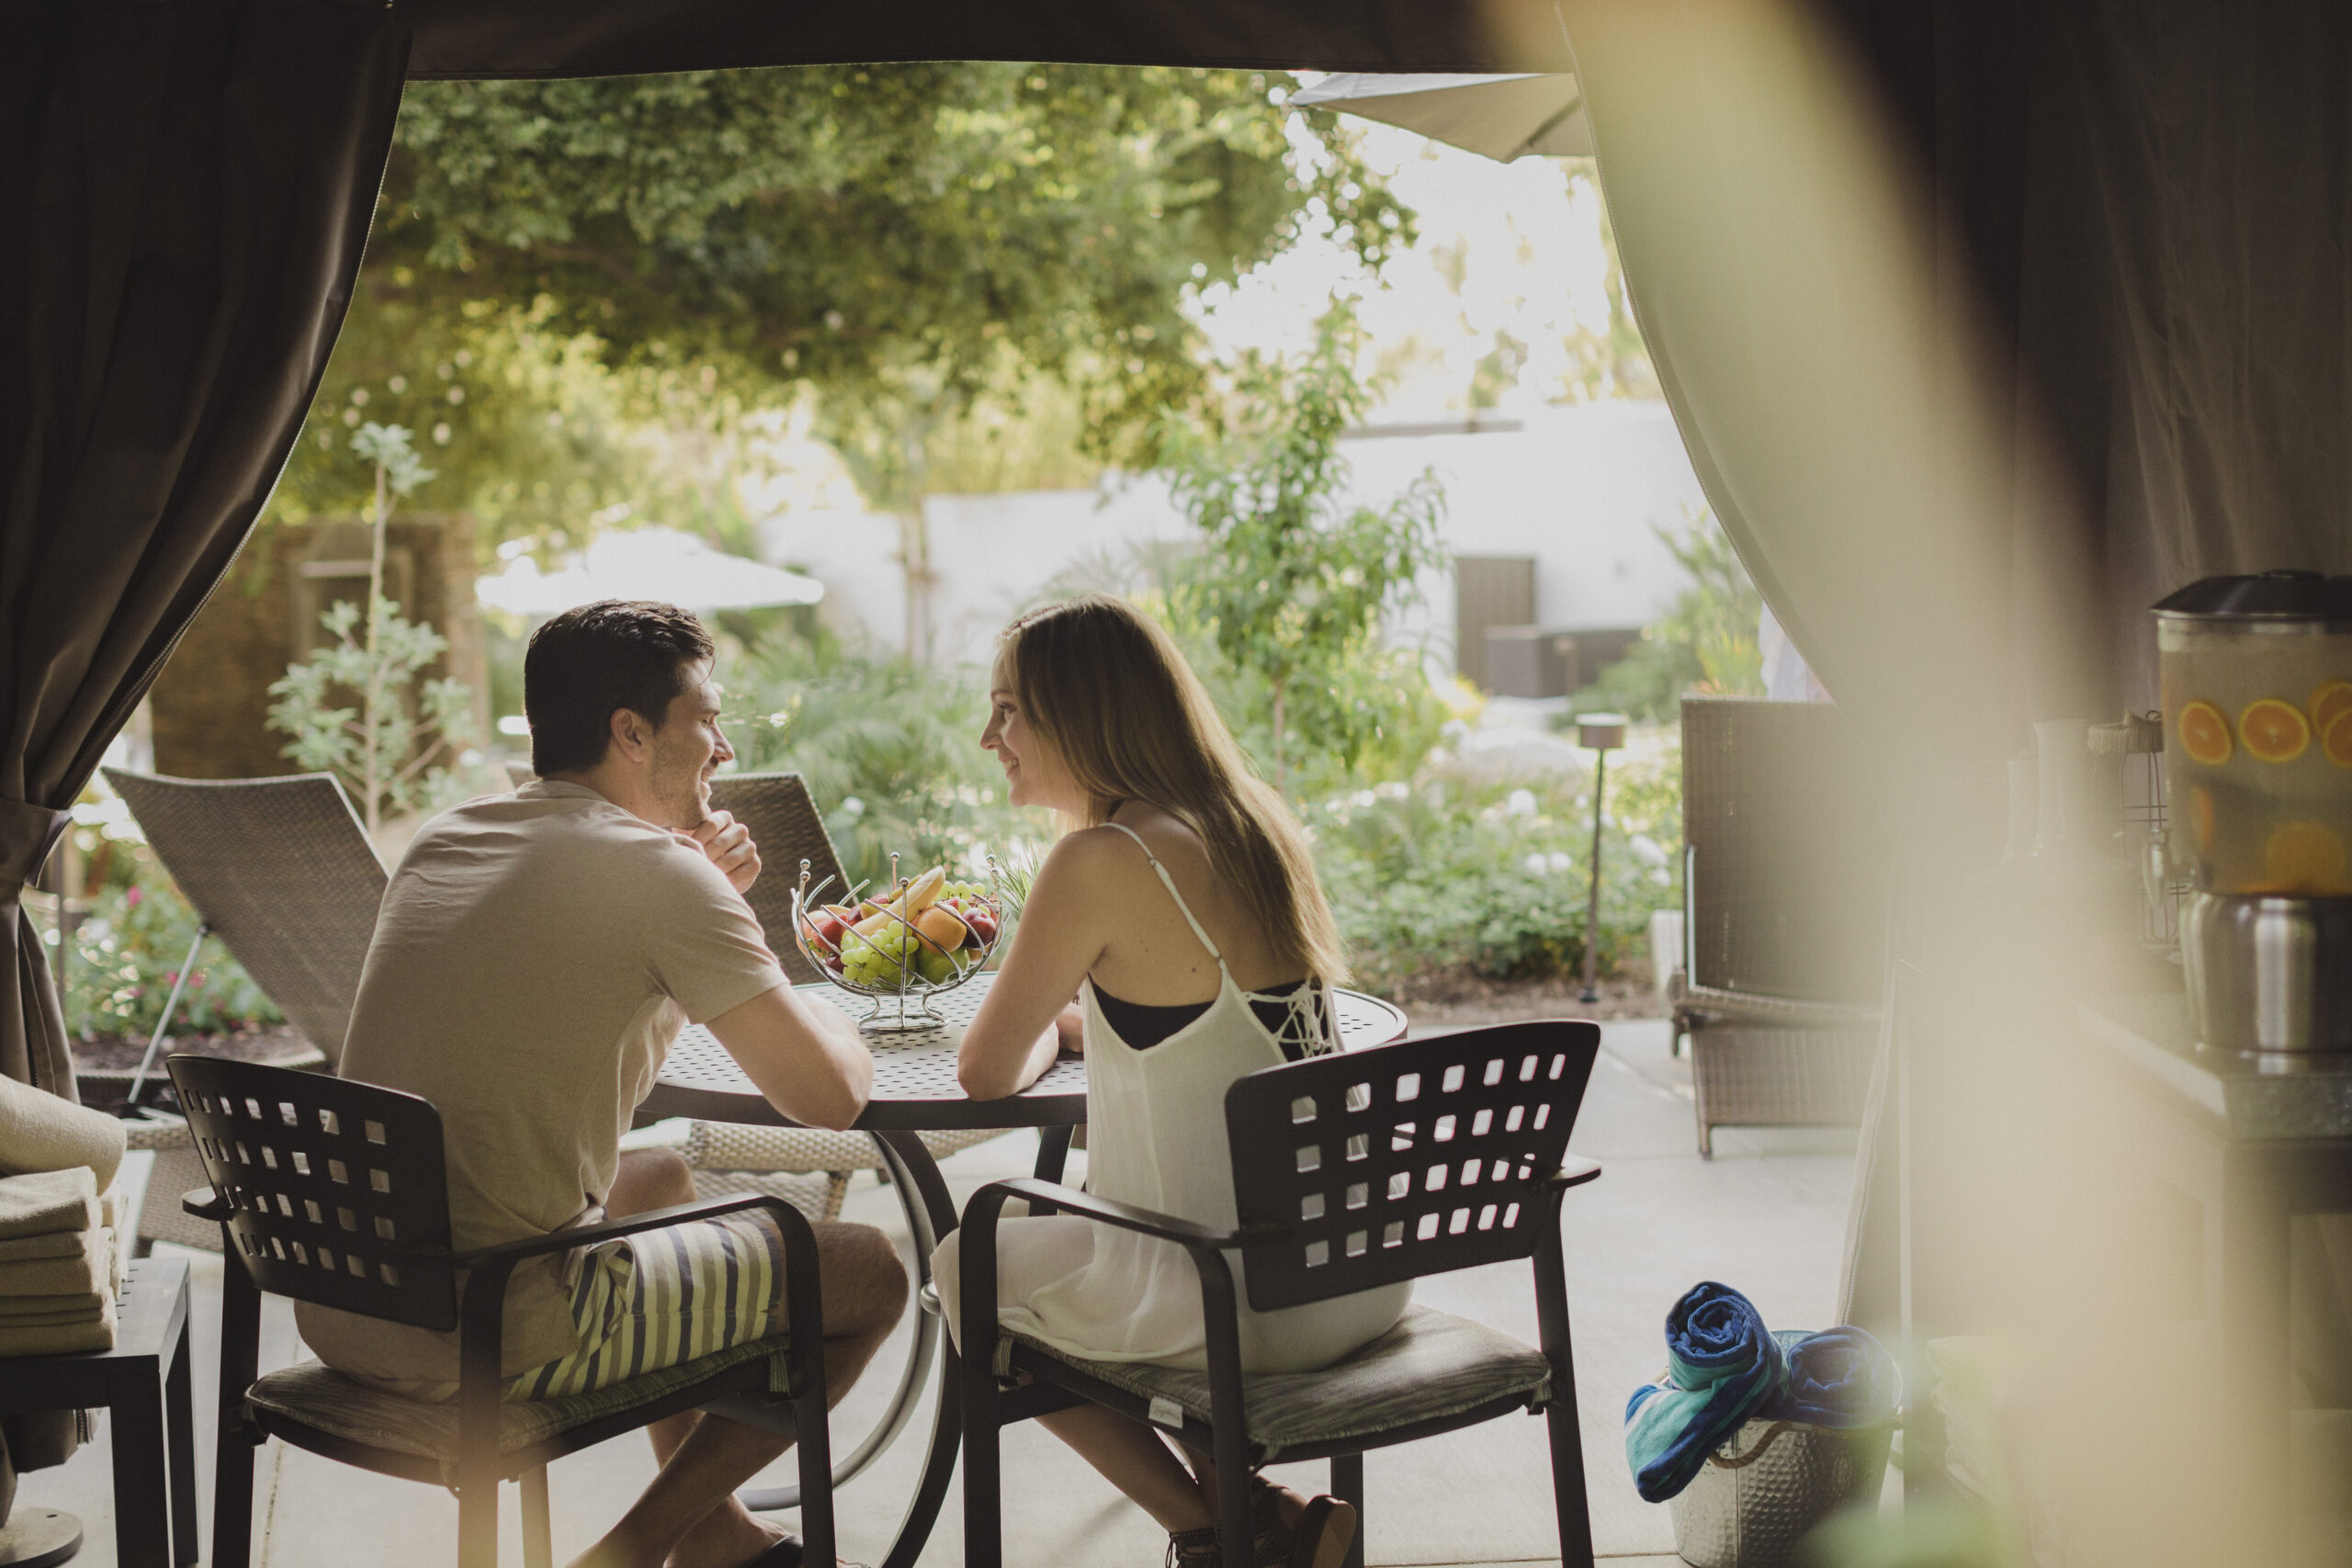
907	243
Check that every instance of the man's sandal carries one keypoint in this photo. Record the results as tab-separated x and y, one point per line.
1320	1538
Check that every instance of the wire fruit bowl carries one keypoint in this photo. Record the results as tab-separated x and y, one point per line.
927	936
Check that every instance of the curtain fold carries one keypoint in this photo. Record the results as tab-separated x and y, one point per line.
189	186
1835	373
1988	322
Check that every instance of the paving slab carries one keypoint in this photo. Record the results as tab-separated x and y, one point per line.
1767	1214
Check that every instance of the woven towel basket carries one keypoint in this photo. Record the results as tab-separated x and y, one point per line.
1764	1491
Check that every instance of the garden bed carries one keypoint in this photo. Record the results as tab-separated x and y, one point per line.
1462	1000
104	1063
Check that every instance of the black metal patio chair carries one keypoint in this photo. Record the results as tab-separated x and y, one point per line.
1350	1171
334	1193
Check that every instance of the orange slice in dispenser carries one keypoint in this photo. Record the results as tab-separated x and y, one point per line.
2273	730
2201	817
2304	857
2205	733
2330	699
2335	741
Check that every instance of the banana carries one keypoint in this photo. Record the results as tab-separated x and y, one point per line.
912	901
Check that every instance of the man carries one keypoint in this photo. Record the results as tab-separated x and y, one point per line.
534	957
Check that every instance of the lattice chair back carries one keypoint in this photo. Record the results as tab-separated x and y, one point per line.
1365	1167
783	819
283	873
339	1192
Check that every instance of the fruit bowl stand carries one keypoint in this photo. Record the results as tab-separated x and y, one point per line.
891	943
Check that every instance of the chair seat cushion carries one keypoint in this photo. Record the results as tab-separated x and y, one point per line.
1432	1366
312	1395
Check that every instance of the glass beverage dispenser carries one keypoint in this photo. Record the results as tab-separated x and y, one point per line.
2256	674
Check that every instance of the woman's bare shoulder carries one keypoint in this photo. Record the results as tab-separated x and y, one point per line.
1092	853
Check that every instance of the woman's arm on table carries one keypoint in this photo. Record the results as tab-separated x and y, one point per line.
1028	1015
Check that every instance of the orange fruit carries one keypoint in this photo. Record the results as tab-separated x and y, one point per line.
2335	741
2329	698
2273	730
2200	816
2305	857
2204	733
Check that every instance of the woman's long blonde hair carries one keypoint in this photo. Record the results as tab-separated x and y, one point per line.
1109	691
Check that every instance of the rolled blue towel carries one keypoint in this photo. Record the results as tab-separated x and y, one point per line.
1839	1377
1722	1366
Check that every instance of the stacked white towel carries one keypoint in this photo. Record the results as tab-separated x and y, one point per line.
60	1257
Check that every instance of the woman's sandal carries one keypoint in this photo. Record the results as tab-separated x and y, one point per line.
1271	1540
1319	1540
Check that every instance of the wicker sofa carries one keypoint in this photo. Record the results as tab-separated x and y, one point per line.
1786	849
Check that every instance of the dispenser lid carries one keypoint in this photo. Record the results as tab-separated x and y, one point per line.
2266	596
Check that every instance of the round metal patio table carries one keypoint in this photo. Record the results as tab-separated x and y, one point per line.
915	1091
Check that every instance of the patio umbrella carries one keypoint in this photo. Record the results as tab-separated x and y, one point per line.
650	563
1500	117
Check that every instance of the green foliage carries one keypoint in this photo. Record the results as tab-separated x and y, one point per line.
924	246
127	955
383	751
1615	363
1446	872
330	738
1292	586
891	753
398	467
1706	644
531	433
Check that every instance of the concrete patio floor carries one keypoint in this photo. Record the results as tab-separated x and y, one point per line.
1767	1215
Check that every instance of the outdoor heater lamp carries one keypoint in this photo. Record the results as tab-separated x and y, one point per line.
1599	733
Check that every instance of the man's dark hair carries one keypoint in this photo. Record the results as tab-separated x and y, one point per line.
587	663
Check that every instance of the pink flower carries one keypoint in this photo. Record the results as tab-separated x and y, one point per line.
131	898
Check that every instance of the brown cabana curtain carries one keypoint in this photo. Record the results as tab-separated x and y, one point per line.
187	188
1989	323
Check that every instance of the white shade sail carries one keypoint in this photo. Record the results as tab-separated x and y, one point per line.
1502	117
652	563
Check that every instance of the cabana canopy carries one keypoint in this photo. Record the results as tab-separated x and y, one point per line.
1985	325
602	38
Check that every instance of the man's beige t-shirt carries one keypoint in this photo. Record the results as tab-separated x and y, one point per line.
534	957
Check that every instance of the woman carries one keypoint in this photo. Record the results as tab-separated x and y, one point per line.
1180	907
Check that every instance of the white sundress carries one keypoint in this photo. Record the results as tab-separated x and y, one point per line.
1156	1138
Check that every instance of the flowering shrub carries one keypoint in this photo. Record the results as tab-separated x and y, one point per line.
127	956
1446	872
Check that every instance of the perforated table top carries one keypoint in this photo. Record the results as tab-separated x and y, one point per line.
915	1073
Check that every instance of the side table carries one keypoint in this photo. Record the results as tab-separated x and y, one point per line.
144	1382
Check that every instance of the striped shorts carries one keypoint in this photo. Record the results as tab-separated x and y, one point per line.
655	1300
665	1297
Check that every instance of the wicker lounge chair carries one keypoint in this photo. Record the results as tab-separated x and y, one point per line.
282	872
1786	860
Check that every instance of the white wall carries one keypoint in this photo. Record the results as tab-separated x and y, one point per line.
1579	488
